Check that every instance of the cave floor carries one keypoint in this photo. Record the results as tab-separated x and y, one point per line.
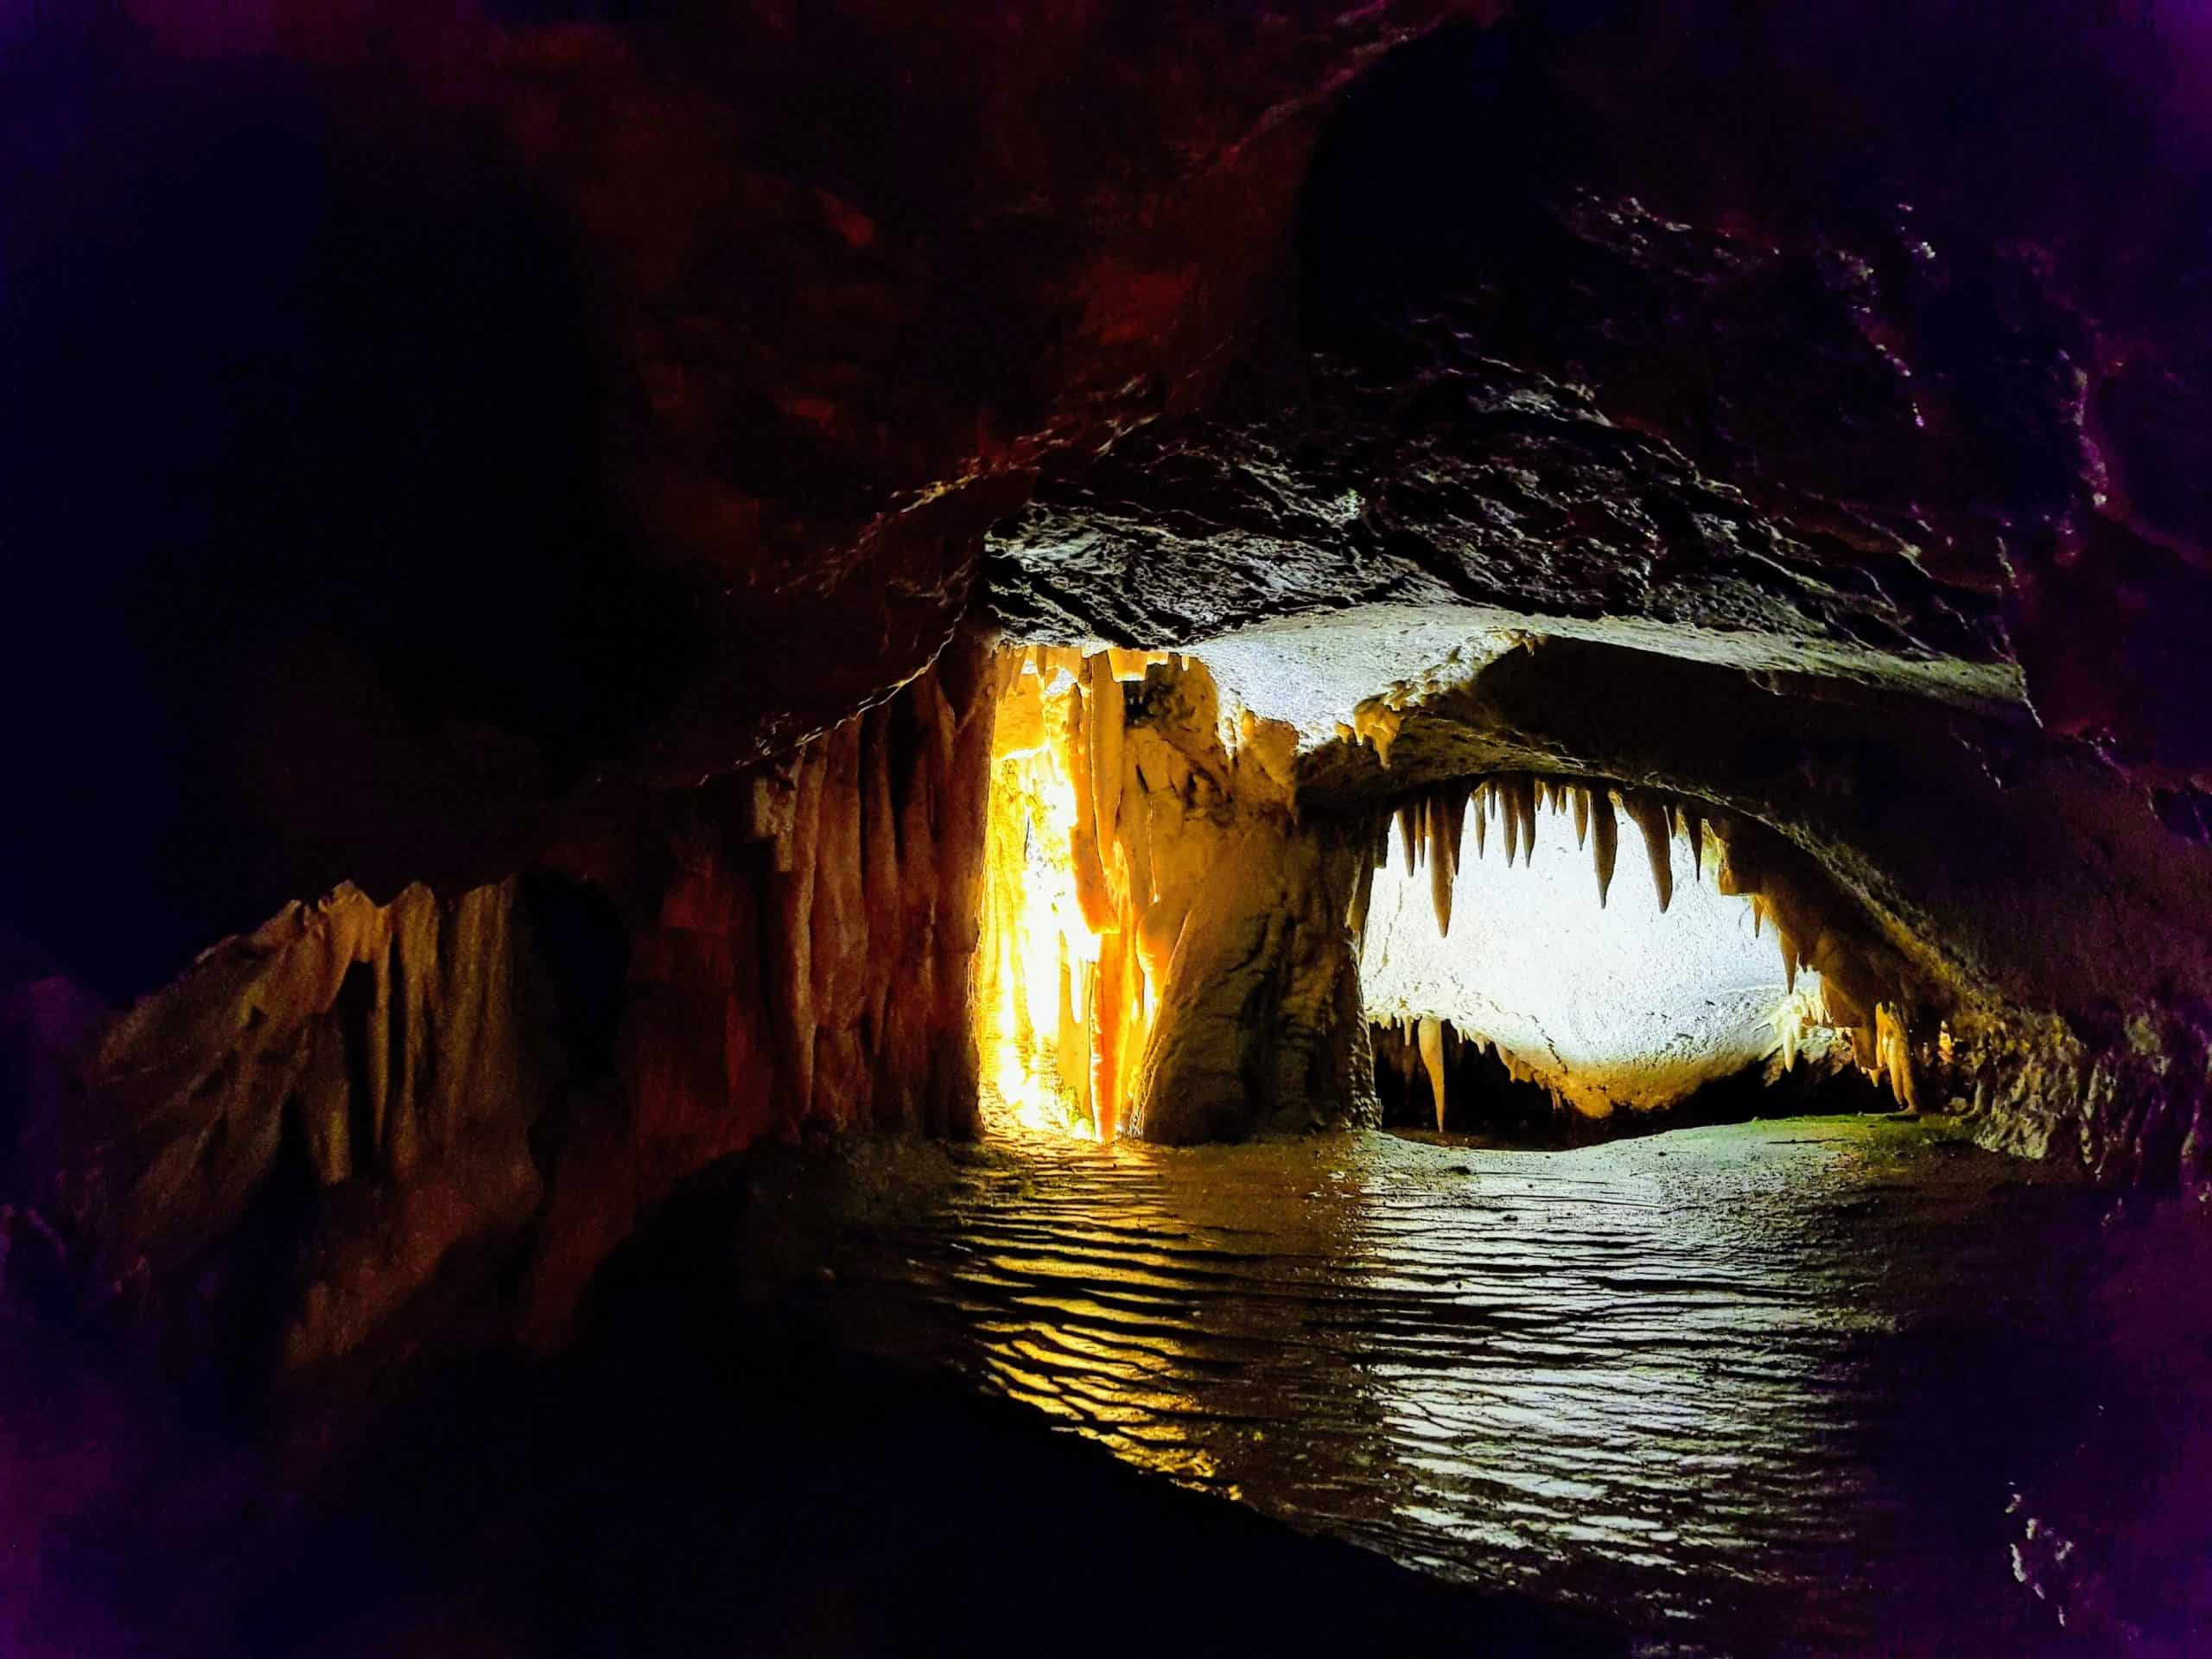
1810	1385
1840	1384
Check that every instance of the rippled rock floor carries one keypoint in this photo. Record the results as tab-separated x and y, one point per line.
1839	1385
1825	1386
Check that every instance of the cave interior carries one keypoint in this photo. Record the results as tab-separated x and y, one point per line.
807	798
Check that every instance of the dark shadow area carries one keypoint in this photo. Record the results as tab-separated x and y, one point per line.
1483	1099
317	576
706	1474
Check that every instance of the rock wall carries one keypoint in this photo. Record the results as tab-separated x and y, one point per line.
1261	1024
360	1114
1148	863
2129	1099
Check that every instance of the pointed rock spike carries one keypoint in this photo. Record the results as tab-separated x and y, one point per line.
1525	800
1656	823
1452	826
1604	839
1432	1057
1579	796
1439	891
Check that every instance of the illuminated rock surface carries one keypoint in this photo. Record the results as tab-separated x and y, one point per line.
1166	950
510	508
1779	1388
1623	1007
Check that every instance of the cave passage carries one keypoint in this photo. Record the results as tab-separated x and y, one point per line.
1531	989
1445	764
1579	995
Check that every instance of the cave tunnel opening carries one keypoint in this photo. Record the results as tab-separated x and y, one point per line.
1473	961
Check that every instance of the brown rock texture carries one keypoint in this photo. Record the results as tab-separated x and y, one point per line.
360	1109
529	395
539	455
1144	849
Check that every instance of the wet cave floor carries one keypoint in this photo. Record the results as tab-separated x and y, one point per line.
1844	1384
1810	1385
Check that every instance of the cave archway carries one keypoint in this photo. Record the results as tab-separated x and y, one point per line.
1162	920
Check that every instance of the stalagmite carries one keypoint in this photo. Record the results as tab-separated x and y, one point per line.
1893	1056
1604	842
1432	1058
1109	1033
1657	822
1074	1028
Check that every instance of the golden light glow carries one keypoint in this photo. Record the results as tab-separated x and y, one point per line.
1065	999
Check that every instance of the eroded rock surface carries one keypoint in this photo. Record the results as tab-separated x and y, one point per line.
360	1109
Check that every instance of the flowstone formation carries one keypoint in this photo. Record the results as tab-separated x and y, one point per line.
360	1116
1165	950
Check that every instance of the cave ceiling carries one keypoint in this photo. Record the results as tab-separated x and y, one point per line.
544	400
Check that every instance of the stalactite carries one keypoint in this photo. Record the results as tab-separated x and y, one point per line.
1449	807
1105	835
1409	834
1363	893
1442	872
1103	703
1519	791
1604	839
1655	820
1580	794
790	949
1091	891
1377	722
1693	821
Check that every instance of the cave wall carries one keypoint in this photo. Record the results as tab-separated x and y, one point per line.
1199	929
420	412
1787	463
443	437
363	1118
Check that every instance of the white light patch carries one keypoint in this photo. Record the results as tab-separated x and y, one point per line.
1616	1007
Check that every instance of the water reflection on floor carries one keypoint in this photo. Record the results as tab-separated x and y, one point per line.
1772	1386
